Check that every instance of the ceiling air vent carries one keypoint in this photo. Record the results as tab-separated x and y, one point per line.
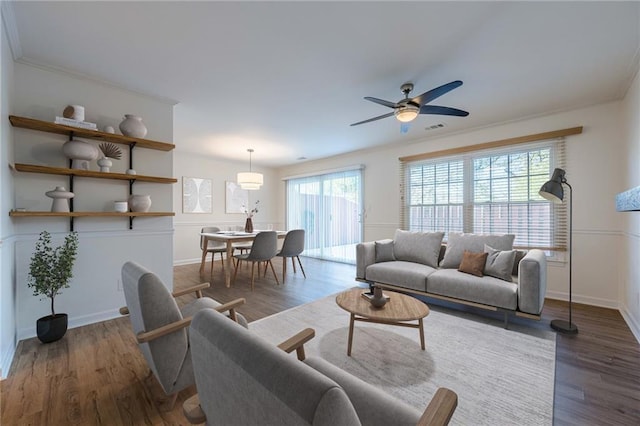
434	127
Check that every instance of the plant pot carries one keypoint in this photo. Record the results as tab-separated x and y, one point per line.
248	225
51	327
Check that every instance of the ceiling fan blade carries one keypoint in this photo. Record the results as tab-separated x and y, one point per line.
432	94
441	110
374	119
382	102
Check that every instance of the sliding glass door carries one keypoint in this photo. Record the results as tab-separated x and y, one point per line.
329	208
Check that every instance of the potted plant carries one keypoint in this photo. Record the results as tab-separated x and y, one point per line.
49	272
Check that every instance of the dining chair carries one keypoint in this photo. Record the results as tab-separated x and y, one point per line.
292	247
213	247
263	249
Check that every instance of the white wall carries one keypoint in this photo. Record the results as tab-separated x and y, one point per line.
7	291
630	244
105	243
188	225
593	169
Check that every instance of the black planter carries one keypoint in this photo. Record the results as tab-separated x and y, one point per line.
51	327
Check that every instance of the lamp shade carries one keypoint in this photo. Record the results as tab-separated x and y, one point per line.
552	190
407	113
250	180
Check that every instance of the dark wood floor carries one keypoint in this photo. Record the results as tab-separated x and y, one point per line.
96	376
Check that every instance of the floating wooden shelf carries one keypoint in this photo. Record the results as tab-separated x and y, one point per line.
46	126
14	213
32	168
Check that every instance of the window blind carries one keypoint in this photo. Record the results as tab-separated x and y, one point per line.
491	190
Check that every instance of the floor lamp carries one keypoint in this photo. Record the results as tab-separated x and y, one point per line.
553	191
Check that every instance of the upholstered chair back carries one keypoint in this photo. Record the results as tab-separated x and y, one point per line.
151	306
265	247
254	382
293	243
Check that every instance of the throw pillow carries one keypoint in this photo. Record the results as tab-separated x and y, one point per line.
418	247
473	263
516	262
499	264
458	242
384	251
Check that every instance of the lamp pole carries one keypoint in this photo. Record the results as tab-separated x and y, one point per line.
562	325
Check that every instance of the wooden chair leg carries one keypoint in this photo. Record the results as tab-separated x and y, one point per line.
301	268
284	268
213	257
253	268
272	270
236	270
221	260
293	262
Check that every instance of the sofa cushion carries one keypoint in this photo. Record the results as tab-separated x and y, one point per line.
384	251
499	264
458	242
410	275
420	247
485	290
473	263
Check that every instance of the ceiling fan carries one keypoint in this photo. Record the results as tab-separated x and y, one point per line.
408	109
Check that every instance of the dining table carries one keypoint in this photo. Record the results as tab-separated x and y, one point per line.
229	237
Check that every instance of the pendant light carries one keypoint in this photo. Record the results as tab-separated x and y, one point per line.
250	180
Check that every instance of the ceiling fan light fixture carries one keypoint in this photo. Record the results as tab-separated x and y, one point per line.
250	180
407	113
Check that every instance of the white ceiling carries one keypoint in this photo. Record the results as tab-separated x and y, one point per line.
287	78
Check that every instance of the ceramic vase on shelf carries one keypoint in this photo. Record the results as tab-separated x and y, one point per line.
378	300
139	203
133	126
80	153
248	225
105	164
60	199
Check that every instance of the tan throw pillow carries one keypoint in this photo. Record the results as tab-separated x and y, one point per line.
473	263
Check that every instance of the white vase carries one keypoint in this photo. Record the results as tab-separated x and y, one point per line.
120	206
60	199
105	164
80	153
133	126
139	203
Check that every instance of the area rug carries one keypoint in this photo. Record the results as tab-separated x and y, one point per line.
502	377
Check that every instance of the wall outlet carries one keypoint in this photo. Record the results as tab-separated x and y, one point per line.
119	285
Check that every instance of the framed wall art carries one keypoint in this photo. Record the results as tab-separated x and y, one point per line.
196	195
236	198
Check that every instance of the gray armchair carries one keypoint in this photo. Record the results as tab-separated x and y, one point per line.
160	326
244	380
292	247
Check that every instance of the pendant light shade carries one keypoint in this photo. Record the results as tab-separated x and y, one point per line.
250	180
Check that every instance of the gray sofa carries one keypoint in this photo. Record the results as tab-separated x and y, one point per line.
418	262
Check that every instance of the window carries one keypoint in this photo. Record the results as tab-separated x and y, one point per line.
488	191
329	208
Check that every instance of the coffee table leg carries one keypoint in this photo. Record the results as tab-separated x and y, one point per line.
421	333
351	322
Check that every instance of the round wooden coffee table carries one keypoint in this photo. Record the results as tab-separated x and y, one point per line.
399	309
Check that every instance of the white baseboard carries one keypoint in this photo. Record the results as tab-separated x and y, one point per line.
29	332
186	261
633	324
7	359
595	301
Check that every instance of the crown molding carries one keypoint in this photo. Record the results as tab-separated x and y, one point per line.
11	28
88	77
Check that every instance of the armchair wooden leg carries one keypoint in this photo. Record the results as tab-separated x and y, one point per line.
301	268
